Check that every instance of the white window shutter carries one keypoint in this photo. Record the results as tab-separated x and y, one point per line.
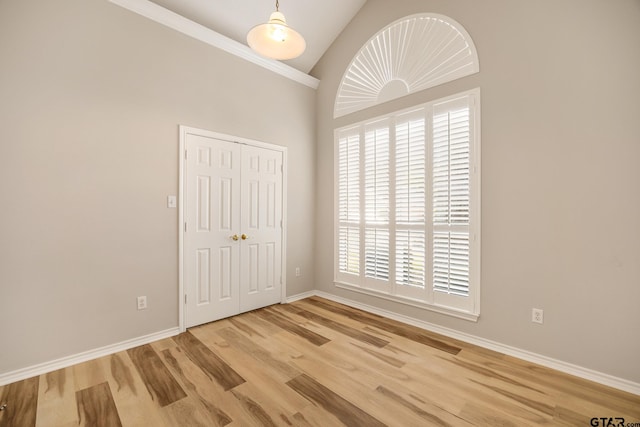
349	179
410	165
451	263
410	172
349	204
376	253
376	176
451	201
451	150
376	202
410	258
349	250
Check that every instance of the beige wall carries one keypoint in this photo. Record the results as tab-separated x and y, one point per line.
560	171
91	96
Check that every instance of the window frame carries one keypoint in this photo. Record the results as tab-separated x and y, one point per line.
426	298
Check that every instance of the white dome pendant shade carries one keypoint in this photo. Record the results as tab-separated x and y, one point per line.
276	39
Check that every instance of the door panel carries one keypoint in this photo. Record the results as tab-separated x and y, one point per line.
261	220
212	257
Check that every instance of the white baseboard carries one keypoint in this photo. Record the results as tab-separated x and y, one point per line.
559	365
43	368
298	297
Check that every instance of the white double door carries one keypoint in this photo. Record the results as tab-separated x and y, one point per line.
233	237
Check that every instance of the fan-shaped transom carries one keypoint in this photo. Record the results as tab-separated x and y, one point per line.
412	54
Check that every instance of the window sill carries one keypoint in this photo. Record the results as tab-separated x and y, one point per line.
472	317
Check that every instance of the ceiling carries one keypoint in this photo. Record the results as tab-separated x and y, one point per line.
319	22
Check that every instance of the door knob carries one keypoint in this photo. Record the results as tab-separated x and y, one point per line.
234	237
244	237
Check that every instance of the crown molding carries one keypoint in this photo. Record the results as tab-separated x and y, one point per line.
192	29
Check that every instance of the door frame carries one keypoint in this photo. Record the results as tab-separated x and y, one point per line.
187	130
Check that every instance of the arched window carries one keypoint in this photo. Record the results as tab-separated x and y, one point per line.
407	220
412	54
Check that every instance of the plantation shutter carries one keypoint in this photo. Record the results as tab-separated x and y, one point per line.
451	197
349	204
407	197
376	202
410	162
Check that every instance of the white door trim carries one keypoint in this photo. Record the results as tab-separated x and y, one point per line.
184	131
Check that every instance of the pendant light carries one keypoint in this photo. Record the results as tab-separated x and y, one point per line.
276	39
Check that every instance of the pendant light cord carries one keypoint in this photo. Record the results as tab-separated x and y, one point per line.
277	5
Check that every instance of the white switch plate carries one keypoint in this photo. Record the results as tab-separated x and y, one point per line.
142	303
298	274
172	201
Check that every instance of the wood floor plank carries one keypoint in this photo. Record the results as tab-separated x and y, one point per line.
341	408
575	393
161	385
217	406
533	404
247	346
186	412
429	413
21	400
348	360
481	415
307	324
567	417
487	373
88	374
270	341
122	373
308	305
96	407
336	326
411	332
291	327
315	416
396	363
259	377
161	345
136	406
57	400
248	330
247	401
257	323
208	361
476	395
254	410
588	391
343	372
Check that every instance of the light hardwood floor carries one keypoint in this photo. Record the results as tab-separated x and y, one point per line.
310	363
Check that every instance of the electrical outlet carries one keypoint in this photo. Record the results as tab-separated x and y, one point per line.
298	274
142	303
537	315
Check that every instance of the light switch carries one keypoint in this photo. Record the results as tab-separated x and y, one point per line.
172	201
